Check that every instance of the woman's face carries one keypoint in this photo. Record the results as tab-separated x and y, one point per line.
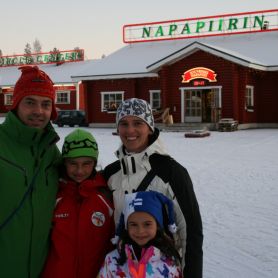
141	227
134	133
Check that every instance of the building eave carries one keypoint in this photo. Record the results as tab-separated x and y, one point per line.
190	49
113	76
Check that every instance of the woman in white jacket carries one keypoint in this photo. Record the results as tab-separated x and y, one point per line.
143	164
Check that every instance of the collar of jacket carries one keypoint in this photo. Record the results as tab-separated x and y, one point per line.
83	189
130	163
28	135
149	254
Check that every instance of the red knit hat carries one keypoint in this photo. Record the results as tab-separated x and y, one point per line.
34	81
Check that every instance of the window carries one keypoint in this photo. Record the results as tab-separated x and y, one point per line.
62	97
110	101
249	98
8	99
155	99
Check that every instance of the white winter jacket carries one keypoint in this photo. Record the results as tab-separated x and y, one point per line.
171	179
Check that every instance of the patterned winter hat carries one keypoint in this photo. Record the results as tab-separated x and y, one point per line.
136	107
151	202
80	143
34	81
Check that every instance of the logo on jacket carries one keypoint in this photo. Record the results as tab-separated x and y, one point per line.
98	218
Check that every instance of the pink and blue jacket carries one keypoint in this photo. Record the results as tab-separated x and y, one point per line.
152	264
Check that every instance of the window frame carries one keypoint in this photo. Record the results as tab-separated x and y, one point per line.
58	92
8	96
117	102
152	92
249	98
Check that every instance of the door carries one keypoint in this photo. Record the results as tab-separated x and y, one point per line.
193	106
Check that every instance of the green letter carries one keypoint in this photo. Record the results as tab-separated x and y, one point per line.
173	28
159	32
245	22
232	23
200	25
147	32
260	21
220	24
39	59
185	29
210	25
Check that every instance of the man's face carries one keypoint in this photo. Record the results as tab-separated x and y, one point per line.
35	111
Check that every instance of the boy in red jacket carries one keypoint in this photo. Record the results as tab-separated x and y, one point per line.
83	221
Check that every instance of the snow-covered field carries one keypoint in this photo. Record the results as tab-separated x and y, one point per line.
235	176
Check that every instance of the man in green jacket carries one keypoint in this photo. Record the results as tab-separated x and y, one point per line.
28	175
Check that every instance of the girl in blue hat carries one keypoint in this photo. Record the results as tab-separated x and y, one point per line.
145	246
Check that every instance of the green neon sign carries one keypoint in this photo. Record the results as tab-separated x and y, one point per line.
205	26
42	58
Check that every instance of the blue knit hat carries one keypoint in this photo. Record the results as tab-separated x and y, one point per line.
151	202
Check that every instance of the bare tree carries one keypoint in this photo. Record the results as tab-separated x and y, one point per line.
27	53
1	53
27	49
37	46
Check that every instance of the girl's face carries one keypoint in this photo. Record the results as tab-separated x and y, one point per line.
141	227
80	168
134	133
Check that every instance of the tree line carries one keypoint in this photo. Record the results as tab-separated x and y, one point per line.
37	48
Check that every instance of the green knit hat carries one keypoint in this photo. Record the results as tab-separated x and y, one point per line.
80	143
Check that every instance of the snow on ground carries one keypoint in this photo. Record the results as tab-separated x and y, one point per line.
235	176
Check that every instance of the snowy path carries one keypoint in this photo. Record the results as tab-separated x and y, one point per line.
236	181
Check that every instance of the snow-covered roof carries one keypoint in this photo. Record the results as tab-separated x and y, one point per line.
60	74
255	50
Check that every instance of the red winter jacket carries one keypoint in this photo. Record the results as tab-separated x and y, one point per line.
83	225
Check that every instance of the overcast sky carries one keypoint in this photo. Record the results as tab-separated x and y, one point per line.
96	26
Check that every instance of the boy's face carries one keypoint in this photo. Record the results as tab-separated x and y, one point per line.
80	168
141	227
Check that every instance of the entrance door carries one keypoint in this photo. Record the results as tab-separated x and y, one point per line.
193	106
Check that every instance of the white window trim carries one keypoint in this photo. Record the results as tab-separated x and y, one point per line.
64	92
151	97
6	99
110	93
252	99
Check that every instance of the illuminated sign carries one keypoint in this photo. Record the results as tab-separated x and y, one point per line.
228	24
42	58
199	73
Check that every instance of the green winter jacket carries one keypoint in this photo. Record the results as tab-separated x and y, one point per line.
26	209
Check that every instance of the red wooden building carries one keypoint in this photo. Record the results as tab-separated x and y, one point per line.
200	70
201	77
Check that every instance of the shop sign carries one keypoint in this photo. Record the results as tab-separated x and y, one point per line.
220	25
7	90
64	88
42	58
199	73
